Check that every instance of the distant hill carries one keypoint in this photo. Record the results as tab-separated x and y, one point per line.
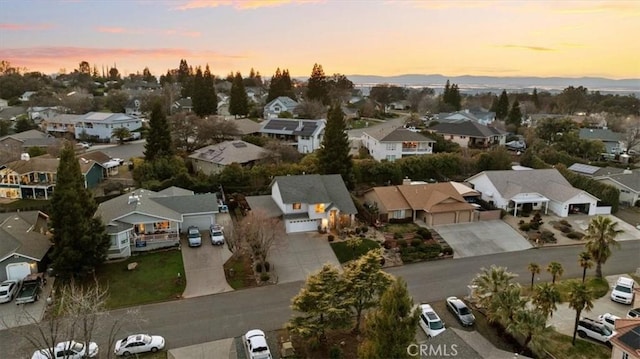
470	83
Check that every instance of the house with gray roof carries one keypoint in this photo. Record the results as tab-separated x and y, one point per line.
534	190
625	180
305	135
12	113
143	220
613	141
24	243
394	143
12	146
481	117
278	105
99	126
215	158
471	134
63	125
245	126
308	202
184	104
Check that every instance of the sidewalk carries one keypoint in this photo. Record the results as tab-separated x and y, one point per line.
219	349
483	347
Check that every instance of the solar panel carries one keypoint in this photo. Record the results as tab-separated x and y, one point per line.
239	144
582	168
632	337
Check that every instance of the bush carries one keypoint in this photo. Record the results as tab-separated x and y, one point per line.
259	267
335	353
398	236
447	251
416	242
402	243
331	237
365	229
267	266
564	222
387	244
547	237
264	277
358	230
521	221
562	228
575	235
525	227
424	233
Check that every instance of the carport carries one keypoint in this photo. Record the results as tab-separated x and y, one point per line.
480	238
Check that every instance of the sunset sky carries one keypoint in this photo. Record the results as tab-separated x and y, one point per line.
367	37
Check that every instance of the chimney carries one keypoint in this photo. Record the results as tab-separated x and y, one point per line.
406	180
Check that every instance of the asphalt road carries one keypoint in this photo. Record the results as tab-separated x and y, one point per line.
125	151
202	319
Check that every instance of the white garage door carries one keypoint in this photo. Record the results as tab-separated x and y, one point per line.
18	270
203	222
301	225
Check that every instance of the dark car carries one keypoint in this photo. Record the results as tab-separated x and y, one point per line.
634	313
461	311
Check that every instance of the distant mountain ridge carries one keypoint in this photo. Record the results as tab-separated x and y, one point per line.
486	83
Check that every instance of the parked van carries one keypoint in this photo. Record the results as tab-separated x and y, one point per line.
622	292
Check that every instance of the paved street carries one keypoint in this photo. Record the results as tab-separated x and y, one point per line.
124	151
203	319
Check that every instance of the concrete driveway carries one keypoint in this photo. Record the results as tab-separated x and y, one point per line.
203	267
480	238
12	315
629	232
296	255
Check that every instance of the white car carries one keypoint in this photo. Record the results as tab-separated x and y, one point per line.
595	330
622	292
217	236
193	236
256	344
139	343
8	290
67	350
430	322
609	320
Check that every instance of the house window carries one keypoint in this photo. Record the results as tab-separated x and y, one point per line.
463	137
319	207
297	205
391	146
625	355
391	158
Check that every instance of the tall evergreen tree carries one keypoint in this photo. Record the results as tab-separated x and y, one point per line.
80	240
392	326
317	88
515	115
502	110
238	101
334	157
535	99
280	85
159	138
198	97
211	98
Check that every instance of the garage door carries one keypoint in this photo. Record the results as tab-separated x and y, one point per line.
301	225
203	222
18	270
464	217
444	218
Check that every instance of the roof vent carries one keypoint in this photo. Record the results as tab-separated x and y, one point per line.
134	198
25	157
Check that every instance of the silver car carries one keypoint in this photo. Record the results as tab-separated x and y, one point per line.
217	236
460	311
193	235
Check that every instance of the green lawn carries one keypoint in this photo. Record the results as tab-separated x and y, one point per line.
401	228
345	254
560	347
26	205
154	280
600	287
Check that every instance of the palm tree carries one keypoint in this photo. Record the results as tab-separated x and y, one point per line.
121	133
534	268
580	298
489	282
505	304
600	236
545	298
556	271
532	325
584	259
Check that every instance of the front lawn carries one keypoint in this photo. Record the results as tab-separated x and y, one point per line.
401	228
239	273
155	279
598	286
344	253
560	347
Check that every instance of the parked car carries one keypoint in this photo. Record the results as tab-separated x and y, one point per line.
634	313
193	235
622	292
429	321
217	236
609	320
119	160
8	290
30	289
67	350
256	344
460	311
139	343
595	330
85	145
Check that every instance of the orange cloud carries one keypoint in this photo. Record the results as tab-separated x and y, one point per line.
168	32
525	47
240	4
24	27
443	5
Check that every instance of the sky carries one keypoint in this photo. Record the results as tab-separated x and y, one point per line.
365	37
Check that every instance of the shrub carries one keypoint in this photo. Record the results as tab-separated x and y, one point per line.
259	267
267	266
424	233
365	229
387	244
575	235
416	242
547	237
335	353
564	222
525	227
521	221
358	230
398	235
264	277
402	243
447	251
331	237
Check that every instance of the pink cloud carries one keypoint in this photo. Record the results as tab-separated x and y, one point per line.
24	27
168	32
240	4
80	53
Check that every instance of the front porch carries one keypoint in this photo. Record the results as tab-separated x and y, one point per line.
527	203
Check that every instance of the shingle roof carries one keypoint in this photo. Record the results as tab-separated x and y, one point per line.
20	233
599	134
43	164
175	191
631	180
197	203
228	152
434	197
391	198
287	102
265	204
27	135
397	135
65	119
97	156
246	126
467	128
316	189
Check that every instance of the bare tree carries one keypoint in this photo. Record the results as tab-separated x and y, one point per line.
260	231
311	109
215	129
279	151
183	130
631	137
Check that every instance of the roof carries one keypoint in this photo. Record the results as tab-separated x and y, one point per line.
24	233
583	169
195	203
10	112
434	197
43	164
106	117
316	189
175	191
398	135
547	182
97	156
630	179
264	203
467	128
228	152
292	126
246	126
65	119
599	134
30	134
391	198
287	102
628	337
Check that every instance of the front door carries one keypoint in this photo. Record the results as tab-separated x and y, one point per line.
333	215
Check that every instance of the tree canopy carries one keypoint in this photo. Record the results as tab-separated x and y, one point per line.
333	156
238	100
159	135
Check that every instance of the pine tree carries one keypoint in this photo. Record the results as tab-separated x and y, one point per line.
502	110
515	115
210	99
80	240
391	328
280	85
159	138
238	102
334	157
199	94
317	88
535	99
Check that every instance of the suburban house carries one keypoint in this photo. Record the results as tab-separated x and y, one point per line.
626	343
110	166
214	158
12	113
534	190
278	105
481	117
36	177
305	135
471	134
62	125
132	108
308	202
26	96
433	203
100	125
182	105
394	143
143	220
24	244
246	126
612	140
627	182
12	146
42	113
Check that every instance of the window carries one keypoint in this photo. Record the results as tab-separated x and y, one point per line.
319	207
297	205
391	146
625	355
391	158
463	137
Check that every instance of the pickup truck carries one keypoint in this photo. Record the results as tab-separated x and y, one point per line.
30	290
